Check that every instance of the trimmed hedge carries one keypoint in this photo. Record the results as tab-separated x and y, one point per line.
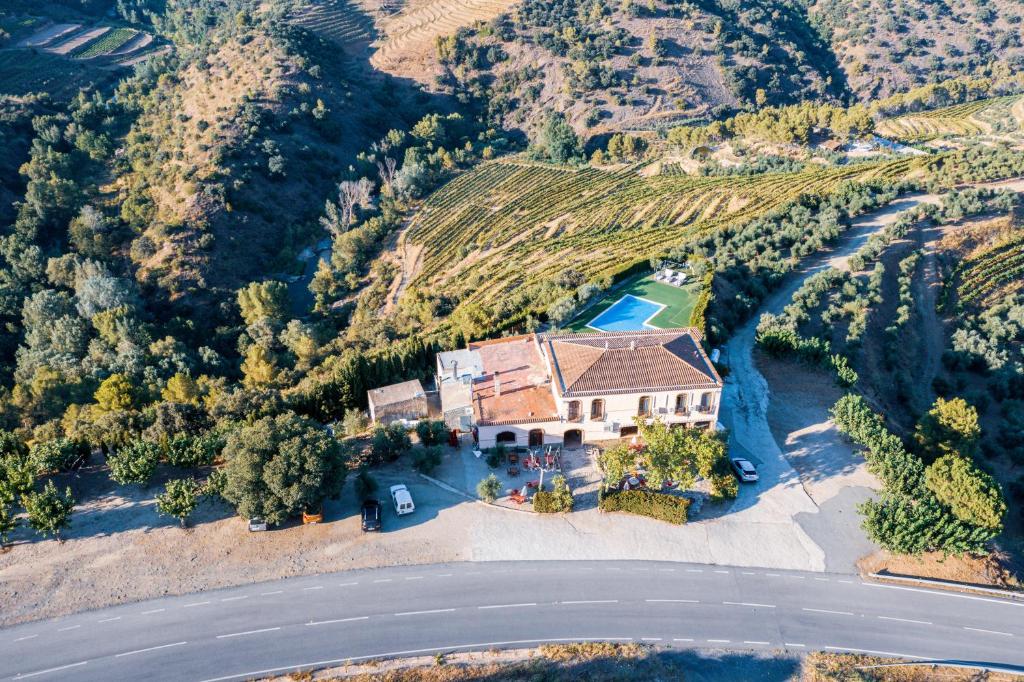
645	503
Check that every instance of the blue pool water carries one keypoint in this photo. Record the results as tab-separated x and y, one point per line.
627	314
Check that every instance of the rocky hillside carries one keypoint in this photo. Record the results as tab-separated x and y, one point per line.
886	47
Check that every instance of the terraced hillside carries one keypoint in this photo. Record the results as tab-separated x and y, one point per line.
993	273
24	71
338	20
510	224
408	46
998	115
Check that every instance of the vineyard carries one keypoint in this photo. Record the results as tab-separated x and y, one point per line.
411	34
23	71
988	275
110	41
508	224
982	117
337	20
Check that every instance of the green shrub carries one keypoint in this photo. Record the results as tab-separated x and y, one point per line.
425	460
489	488
432	432
189	452
554	502
57	455
645	503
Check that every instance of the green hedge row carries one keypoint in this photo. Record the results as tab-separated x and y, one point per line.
645	503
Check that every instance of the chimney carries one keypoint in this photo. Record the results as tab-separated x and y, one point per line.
606	344
497	385
632	344
455	370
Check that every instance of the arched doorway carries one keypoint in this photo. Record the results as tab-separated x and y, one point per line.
573	438
536	438
505	438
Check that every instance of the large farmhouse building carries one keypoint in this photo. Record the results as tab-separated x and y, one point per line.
571	388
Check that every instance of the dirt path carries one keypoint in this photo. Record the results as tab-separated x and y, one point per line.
927	284
784	493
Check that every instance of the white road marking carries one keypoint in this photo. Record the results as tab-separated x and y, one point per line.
235	598
507	606
415	577
793	644
70	627
905	620
315	587
880	653
107	620
838	613
267	594
383	580
422	613
754	641
719	641
695	570
347	584
152	648
726	572
22	639
748	573
247	632
798	577
772	575
823	580
846	582
591	601
650	639
672	601
682	639
195	603
442	575
941	593
990	632
747	603
337	620
666	570
411	652
146	613
49	670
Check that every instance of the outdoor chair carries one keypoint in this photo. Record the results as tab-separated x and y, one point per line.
513	471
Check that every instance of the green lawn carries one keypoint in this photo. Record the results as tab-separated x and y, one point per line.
678	302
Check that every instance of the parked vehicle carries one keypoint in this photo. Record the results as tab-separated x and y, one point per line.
745	471
402	500
256	525
371	515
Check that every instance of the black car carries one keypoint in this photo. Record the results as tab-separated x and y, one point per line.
370	512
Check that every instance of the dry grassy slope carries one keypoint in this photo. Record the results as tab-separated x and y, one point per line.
686	83
886	47
219	217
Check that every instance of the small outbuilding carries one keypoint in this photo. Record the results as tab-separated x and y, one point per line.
406	401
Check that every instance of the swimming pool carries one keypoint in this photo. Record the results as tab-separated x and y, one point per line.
629	313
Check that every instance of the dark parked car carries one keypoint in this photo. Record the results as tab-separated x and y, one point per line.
370	513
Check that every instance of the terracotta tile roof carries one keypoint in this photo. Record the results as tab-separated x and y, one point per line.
629	362
525	386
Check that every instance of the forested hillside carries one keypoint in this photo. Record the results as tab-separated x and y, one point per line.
259	220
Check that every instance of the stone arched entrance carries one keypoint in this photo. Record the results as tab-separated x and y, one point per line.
573	438
505	438
536	438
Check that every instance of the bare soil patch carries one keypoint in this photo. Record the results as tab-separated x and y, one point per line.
989	571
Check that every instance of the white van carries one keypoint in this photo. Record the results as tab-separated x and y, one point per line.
402	500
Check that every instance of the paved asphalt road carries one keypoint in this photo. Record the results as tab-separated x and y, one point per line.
329	619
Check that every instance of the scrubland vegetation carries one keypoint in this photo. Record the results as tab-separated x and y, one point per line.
156	309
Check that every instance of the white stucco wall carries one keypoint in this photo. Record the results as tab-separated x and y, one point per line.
619	410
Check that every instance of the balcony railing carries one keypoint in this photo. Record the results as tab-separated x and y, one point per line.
704	409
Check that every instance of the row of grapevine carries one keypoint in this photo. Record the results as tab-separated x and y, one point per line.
987	273
108	42
973	118
24	71
337	20
508	224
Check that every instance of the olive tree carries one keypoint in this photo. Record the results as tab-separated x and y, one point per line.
49	512
134	463
279	466
179	499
